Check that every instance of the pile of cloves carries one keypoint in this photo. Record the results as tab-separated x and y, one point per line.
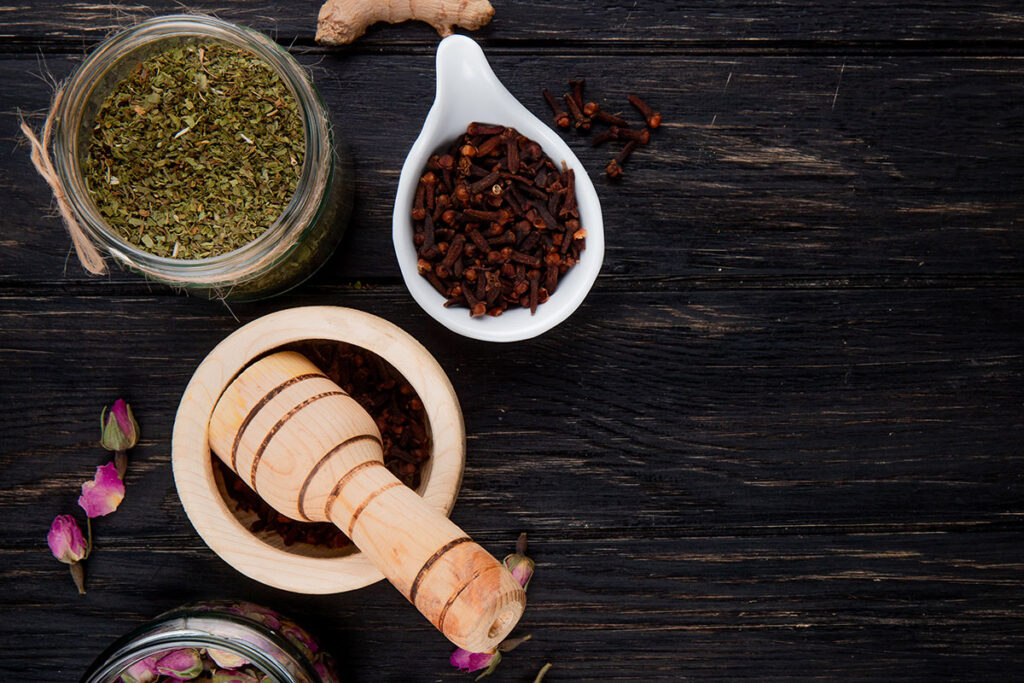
495	222
582	115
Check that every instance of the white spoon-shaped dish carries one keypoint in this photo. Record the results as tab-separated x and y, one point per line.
468	91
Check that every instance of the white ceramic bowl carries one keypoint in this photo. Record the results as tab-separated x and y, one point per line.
468	91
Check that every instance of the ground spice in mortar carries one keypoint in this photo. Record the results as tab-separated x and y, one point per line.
196	152
396	409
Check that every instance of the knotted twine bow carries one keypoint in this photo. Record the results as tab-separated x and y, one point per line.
88	254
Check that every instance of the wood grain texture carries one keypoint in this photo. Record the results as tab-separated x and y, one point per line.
647	23
783	438
827	476
766	166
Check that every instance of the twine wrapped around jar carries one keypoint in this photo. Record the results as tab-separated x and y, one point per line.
88	255
289	250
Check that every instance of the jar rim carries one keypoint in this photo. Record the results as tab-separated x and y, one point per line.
279	238
151	638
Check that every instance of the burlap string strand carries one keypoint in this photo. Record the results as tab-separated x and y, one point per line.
88	254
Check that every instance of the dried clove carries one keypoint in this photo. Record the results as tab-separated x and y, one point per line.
514	232
642	136
614	167
599	139
580	121
594	111
561	118
577	91
583	115
652	117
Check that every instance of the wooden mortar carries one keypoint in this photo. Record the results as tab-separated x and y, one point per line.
303	568
314	454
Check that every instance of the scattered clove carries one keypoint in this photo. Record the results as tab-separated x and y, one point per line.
582	115
594	111
580	121
614	167
651	117
642	136
604	136
561	118
577	91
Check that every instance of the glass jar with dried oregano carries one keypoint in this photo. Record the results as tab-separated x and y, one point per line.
199	153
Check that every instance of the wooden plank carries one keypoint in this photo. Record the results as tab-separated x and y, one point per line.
706	412
646	24
781	167
907	605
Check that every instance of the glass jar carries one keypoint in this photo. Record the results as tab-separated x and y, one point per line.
279	648
288	251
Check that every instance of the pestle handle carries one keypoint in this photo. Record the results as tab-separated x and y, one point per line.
314	454
460	587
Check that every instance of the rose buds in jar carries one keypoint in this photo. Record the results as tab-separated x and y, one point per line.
495	222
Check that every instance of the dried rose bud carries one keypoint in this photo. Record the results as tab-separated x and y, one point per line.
519	564
119	432
322	670
267	617
69	546
232	677
143	671
225	659
299	637
184	664
104	493
467	661
66	540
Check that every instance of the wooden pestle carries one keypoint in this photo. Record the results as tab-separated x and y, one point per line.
312	452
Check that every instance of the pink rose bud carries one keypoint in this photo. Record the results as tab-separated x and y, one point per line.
66	541
225	659
467	661
118	432
67	545
184	664
267	617
519	564
143	671
299	637
232	677
104	493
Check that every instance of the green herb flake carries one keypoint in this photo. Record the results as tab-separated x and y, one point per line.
196	152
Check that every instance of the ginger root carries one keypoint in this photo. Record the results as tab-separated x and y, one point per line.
342	21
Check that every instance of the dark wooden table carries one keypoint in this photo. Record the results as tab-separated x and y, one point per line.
782	438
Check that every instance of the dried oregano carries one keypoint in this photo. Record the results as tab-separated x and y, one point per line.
196	152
